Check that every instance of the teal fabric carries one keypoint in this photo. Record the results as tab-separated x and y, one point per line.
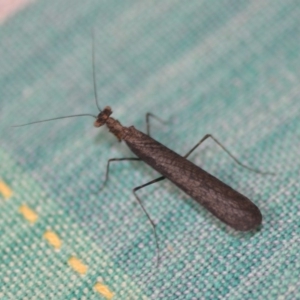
229	68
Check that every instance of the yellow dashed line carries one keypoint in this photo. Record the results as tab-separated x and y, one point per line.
103	290
52	239
77	265
28	214
5	190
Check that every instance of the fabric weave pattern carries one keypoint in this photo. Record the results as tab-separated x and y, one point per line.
230	68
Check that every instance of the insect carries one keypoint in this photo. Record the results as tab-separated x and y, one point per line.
221	200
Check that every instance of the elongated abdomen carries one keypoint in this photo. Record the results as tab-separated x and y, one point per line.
225	203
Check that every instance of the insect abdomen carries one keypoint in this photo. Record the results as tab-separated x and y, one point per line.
225	203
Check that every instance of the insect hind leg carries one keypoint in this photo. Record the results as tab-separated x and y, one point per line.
146	213
227	151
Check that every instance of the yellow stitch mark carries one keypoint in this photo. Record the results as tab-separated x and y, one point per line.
28	214
77	265
5	190
103	290
52	239
170	248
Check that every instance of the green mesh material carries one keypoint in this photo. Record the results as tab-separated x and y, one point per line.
229	68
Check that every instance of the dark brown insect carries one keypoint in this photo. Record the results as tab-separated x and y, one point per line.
225	203
221	200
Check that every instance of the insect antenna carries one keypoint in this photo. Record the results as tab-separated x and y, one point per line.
94	72
95	94
47	120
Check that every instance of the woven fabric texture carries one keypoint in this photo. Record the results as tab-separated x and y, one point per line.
230	68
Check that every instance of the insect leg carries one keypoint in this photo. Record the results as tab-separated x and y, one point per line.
107	167
227	151
148	115
146	213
